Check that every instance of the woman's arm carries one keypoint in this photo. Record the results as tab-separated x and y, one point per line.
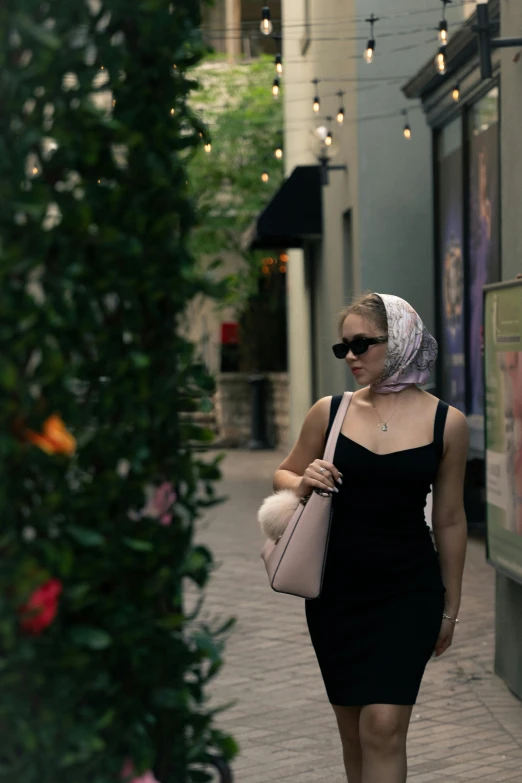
300	470
449	517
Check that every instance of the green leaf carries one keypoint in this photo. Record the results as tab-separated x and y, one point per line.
206	405
172	622
140	360
138	544
197	565
26	25
93	638
106	720
85	536
170	698
8	375
79	591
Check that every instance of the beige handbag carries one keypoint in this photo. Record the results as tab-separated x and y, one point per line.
295	561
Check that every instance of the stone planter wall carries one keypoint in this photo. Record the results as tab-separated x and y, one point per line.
233	409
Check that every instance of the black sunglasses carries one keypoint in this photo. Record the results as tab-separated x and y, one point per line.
358	346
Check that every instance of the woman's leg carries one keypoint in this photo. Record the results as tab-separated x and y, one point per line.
383	729
348	723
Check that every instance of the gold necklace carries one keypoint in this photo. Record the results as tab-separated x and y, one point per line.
383	425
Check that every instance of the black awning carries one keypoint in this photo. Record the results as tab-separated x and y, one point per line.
293	216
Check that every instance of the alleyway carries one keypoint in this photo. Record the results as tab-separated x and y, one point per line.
466	726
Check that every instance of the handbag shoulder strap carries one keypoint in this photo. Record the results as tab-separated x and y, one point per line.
336	427
334	407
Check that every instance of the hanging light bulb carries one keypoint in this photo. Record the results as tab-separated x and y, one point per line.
370	49
317	101
265	176
456	93
208	147
329	139
266	25
275	88
407	129
340	113
370	46
279	64
440	60
443	26
443	32
278	152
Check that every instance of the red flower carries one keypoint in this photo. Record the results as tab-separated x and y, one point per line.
41	608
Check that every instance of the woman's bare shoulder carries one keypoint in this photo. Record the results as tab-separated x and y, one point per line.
456	429
319	413
457	423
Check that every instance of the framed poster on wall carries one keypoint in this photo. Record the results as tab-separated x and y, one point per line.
484	249
451	265
503	397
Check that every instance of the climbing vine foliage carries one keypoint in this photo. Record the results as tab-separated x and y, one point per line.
104	663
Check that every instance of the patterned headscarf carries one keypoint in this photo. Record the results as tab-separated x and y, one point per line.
412	351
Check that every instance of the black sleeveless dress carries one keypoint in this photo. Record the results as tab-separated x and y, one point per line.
376	623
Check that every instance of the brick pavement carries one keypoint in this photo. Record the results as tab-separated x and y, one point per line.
466	725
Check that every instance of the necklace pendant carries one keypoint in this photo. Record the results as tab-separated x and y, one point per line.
384	428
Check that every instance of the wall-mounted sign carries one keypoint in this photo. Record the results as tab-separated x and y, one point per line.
503	386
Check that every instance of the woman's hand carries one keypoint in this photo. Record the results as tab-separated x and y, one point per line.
447	629
319	475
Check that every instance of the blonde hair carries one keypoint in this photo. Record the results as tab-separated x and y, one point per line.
369	306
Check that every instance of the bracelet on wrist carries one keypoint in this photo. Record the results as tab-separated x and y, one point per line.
453	620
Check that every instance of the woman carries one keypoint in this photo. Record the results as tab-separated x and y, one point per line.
389	600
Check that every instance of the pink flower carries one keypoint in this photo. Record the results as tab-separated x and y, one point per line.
159	501
128	771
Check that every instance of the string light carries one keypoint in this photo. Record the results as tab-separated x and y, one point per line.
440	60
443	26
329	139
265	176
208	147
407	129
456	93
266	25
275	88
340	113
278	152
317	102
370	47
279	64
443	32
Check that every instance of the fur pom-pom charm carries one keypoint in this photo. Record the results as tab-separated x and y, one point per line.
276	512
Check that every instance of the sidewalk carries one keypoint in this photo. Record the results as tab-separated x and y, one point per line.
466	725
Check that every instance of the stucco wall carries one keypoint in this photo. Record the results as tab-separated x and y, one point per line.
233	409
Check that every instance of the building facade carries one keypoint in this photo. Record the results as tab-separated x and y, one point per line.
231	27
477	160
374	227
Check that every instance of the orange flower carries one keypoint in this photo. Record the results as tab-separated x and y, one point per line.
55	439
